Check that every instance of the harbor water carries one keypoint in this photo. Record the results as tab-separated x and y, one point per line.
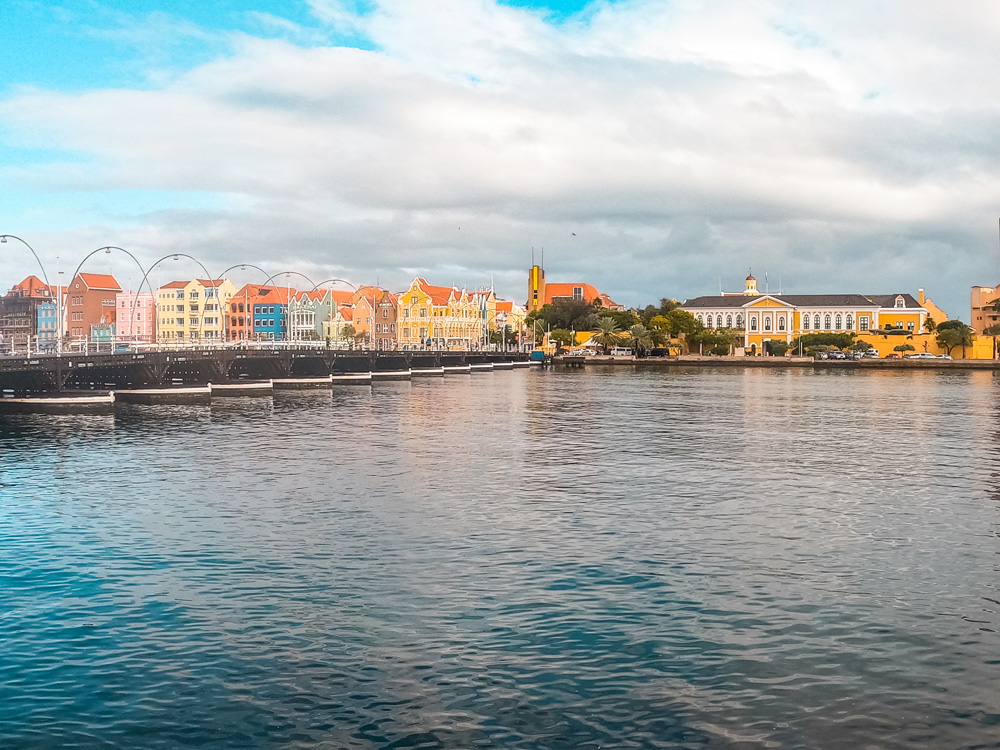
681	558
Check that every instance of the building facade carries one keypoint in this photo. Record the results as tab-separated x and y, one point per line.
191	311
135	317
307	312
90	300
21	320
763	318
439	317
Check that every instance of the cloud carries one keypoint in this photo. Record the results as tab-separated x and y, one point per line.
843	148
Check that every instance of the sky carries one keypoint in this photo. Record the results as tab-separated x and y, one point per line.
651	148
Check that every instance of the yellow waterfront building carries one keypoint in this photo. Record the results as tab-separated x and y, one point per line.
763	318
191	311
440	317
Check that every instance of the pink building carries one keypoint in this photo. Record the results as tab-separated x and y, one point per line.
136	316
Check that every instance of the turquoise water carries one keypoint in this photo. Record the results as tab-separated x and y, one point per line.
678	559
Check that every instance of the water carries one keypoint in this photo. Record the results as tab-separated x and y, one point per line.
678	559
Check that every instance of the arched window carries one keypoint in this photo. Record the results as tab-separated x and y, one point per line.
708	321
850	322
729	321
701	319
840	324
767	322
816	321
739	320
753	322
241	307
781	322
718	321
805	322
826	322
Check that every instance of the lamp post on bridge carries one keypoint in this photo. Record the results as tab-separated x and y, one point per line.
107	251
176	256
45	276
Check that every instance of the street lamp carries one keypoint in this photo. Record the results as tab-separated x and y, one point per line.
107	251
45	276
177	256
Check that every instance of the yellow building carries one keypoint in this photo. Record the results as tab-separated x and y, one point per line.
439	316
190	311
763	318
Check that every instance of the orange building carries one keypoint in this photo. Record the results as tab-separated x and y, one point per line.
541	292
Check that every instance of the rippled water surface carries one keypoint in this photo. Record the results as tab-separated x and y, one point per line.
672	559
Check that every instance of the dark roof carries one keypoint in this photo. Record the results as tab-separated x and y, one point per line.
714	302
889	300
797	300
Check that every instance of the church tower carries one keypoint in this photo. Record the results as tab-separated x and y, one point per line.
751	290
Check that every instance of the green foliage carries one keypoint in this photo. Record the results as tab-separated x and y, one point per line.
861	346
561	336
348	333
904	348
607	333
639	338
954	333
565	312
715	340
993	330
780	348
929	325
676	322
815	340
652	311
624	319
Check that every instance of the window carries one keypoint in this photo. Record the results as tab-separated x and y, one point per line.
839	323
909	326
816	322
767	323
900	302
385	313
850	322
700	319
578	292
406	312
718	321
753	322
708	321
863	323
423	313
826	322
729	321
739	320
781	322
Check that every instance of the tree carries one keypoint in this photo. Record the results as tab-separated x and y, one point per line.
929	325
952	333
861	346
624	319
562	337
717	341
815	340
639	338
347	333
779	348
681	321
904	348
994	331
607	333
652	311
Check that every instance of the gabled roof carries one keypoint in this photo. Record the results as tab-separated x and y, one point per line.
176	285
100	281
31	287
889	300
590	293
440	295
342	297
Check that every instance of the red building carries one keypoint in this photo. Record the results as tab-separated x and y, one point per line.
89	298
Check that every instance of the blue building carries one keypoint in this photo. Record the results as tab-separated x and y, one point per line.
270	315
47	326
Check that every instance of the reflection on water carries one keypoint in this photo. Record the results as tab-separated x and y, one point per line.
684	558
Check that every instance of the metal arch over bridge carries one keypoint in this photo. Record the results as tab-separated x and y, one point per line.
49	374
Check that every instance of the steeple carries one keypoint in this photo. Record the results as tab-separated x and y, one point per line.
751	288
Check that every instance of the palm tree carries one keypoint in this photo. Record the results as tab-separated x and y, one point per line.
607	334
994	331
640	338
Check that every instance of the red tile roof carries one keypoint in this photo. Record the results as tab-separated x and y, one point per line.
32	287
100	281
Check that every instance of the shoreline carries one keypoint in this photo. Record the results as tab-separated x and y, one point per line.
695	360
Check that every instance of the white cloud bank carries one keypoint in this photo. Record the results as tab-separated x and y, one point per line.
840	147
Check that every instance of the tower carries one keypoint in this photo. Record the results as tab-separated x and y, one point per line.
536	288
751	288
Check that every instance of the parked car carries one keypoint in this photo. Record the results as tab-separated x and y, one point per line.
892	355
919	355
836	354
943	356
871	354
